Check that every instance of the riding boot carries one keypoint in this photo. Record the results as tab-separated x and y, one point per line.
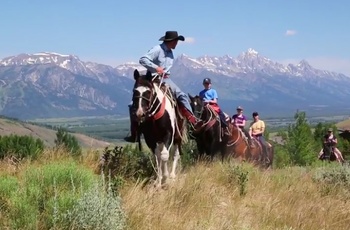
195	122
133	133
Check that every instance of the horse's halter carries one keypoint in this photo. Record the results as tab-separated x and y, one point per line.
197	113
150	108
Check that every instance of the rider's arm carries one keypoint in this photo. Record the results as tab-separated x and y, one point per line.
214	95
334	140
148	60
251	130
243	123
261	130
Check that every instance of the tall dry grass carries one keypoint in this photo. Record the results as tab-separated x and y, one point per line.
222	196
209	197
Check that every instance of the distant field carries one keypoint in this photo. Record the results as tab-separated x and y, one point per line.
344	124
48	136
109	128
114	128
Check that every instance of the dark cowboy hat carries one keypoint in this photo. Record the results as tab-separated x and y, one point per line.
171	35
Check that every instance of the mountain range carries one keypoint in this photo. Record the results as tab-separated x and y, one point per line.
46	85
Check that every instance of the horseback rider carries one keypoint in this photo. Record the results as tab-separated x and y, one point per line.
159	60
239	119
329	140
210	96
256	130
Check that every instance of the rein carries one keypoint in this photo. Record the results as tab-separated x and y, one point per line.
238	136
210	121
152	110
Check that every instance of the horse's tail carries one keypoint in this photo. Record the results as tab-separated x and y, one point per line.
184	133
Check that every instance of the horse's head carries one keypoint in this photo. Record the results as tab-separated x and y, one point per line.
197	105
143	96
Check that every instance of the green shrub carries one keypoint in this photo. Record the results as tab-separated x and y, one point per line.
98	208
333	175
331	179
45	190
124	163
238	175
20	146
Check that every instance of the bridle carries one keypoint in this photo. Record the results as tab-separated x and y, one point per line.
151	108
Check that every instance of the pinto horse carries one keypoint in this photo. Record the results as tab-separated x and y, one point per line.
208	136
158	122
238	148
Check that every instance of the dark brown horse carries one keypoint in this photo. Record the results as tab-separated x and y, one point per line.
328	153
208	136
238	148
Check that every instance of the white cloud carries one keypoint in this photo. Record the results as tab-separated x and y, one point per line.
189	40
290	32
334	64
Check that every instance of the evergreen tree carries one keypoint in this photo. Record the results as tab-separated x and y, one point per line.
299	141
64	139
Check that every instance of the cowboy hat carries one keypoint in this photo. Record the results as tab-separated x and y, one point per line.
239	108
171	35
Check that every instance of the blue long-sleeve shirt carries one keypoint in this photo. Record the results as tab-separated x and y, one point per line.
159	55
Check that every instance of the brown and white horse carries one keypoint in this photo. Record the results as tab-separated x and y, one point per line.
156	113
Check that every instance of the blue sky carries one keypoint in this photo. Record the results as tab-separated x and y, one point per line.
115	31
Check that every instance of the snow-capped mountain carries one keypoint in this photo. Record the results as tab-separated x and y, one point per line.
53	85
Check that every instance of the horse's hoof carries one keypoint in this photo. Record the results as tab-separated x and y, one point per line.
165	186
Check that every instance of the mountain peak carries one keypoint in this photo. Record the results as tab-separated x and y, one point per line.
51	54
303	64
39	58
251	51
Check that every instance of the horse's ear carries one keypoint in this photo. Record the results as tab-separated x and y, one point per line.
190	96
149	76
136	74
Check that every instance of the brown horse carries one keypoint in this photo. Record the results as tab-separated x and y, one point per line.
238	148
209	138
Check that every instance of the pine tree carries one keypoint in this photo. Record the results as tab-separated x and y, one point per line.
300	142
64	139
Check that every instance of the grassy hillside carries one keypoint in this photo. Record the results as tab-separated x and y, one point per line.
344	124
8	126
203	196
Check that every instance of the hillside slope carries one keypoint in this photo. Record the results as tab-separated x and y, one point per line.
20	128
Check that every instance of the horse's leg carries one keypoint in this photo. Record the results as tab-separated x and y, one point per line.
200	146
159	166
176	159
164	157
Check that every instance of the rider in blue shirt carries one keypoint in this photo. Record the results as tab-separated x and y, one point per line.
209	95
159	60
